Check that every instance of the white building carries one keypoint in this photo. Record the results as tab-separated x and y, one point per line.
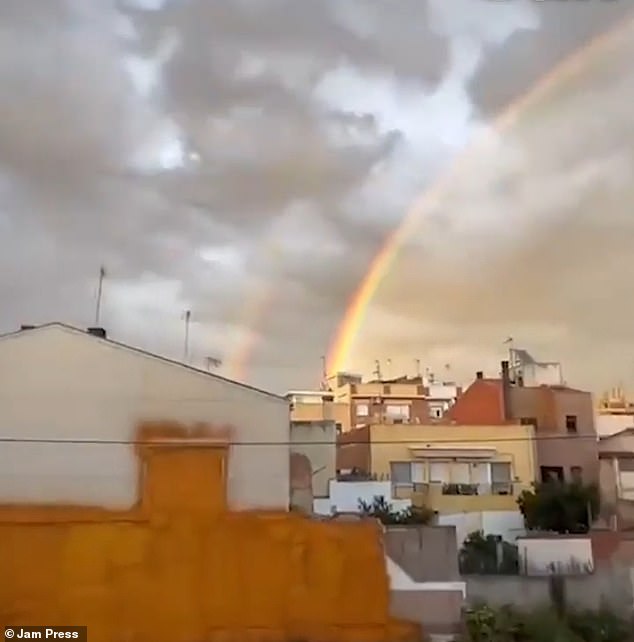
441	395
60	386
525	370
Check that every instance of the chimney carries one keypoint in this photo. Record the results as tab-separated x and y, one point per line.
506	390
479	374
97	332
27	327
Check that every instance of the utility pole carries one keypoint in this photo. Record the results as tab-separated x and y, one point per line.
188	316
102	276
377	371
417	367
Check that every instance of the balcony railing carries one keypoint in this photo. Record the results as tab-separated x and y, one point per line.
461	489
405	490
496	488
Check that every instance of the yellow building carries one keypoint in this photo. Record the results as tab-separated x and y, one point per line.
318	405
452	468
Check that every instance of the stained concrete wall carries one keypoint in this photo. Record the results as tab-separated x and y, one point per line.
612	587
181	566
426	553
301	484
426	585
318	441
58	383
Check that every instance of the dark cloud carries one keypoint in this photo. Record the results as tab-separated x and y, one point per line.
246	159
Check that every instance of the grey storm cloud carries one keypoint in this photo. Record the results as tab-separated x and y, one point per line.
246	159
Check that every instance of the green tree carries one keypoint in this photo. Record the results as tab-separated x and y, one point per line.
382	510
560	507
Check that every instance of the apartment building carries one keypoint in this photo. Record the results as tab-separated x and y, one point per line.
563	418
614	413
401	400
451	469
616	455
318	405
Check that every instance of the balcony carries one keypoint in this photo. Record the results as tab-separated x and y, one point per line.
449	498
496	488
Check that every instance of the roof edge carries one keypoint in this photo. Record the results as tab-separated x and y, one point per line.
140	351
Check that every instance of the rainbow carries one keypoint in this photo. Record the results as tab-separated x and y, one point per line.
381	264
254	311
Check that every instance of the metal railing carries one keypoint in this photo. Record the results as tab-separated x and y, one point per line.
406	489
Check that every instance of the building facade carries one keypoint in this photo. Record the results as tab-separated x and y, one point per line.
318	405
451	469
72	404
564	423
401	400
317	440
614	413
562	416
616	456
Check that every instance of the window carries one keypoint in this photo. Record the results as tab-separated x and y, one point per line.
397	412
387	390
362	410
626	465
501	482
353	388
571	424
479	473
528	421
439	472
401	472
435	412
420	391
552	473
576	473
460	473
339	428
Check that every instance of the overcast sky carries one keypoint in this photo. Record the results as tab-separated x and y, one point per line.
246	159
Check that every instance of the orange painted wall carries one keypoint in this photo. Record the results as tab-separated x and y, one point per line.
180	567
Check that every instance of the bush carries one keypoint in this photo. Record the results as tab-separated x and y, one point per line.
385	513
507	624
560	507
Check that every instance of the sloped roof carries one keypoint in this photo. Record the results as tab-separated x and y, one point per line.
481	404
140	351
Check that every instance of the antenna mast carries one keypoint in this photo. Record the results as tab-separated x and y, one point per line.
417	365
213	362
188	316
377	371
102	275
324	374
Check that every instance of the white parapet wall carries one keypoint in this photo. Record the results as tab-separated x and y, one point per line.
555	555
401	581
344	496
508	524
